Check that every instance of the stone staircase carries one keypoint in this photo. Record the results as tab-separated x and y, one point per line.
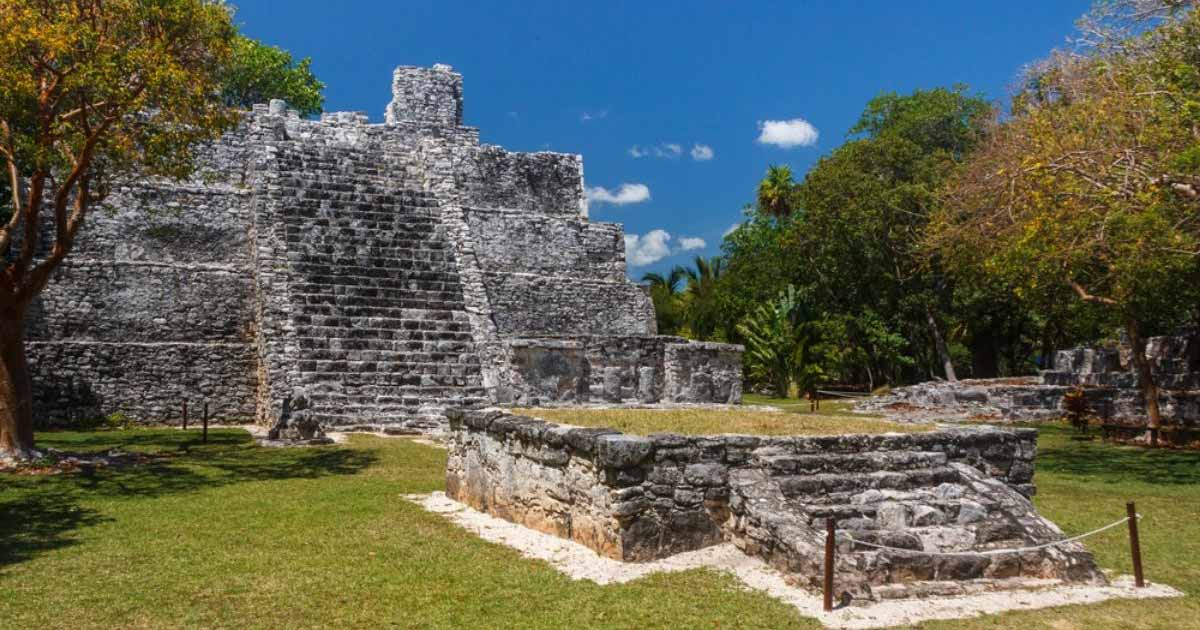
376	304
908	500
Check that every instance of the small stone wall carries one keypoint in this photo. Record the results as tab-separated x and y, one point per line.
624	369
703	372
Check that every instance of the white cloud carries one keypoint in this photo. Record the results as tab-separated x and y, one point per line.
702	152
655	245
626	194
796	132
647	249
733	228
667	150
590	116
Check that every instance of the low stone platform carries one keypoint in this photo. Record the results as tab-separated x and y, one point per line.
961	490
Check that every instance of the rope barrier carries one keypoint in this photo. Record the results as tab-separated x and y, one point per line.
843	394
993	552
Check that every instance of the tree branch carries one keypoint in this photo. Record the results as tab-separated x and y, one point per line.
1088	297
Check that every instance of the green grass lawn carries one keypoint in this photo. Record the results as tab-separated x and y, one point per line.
232	535
835	407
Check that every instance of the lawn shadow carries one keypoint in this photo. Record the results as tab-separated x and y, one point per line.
38	513
39	522
1111	463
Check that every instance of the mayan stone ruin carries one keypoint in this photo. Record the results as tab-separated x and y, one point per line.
1105	374
337	273
960	493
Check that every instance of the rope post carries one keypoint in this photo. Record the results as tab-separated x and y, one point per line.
204	439
1135	546
185	414
829	548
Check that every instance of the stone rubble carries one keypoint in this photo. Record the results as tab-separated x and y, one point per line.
1104	374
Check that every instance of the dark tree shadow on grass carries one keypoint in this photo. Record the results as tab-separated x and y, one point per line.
40	522
1115	464
38	514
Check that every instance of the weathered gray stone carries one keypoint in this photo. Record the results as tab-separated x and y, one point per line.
393	271
936	491
622	451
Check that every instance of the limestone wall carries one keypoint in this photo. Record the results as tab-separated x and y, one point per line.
154	305
641	498
646	497
623	369
383	269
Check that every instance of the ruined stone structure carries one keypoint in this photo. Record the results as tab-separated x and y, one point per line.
1104	373
963	491
364	274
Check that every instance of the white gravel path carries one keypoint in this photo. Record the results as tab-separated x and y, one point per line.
581	563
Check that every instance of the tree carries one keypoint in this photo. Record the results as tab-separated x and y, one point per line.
782	338
866	206
90	91
258	73
1092	187
701	306
776	192
664	293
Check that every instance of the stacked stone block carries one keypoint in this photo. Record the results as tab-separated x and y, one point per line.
635	498
374	274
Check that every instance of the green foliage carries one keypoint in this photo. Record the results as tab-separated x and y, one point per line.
849	236
258	73
782	340
664	292
777	192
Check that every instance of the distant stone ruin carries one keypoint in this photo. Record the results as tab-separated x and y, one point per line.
372	274
960	493
1104	373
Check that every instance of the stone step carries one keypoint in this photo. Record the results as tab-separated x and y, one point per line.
859	462
419	314
349	349
365	255
415	298
807	485
403	376
351	268
395	279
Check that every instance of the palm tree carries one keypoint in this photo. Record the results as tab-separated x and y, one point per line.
664	292
700	295
776	192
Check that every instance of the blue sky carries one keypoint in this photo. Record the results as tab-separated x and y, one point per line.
671	79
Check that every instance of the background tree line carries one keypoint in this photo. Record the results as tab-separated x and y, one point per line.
949	238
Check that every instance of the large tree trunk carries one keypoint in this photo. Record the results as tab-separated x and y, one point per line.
16	393
1145	376
939	344
985	356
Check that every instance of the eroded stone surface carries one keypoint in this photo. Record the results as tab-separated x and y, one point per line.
388	271
961	490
